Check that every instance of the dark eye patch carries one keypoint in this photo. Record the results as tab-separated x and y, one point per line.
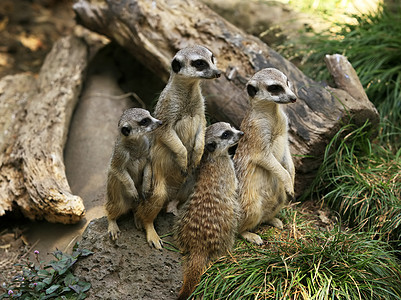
125	130
200	64
144	122
226	134
275	89
251	90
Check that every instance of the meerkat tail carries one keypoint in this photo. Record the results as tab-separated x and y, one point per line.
194	267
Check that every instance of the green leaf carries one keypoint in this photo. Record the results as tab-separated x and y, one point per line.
43	273
52	289
81	296
70	279
48	280
86	252
85	285
66	289
76	288
40	286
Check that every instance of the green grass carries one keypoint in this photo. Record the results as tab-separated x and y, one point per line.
305	261
361	173
373	46
362	181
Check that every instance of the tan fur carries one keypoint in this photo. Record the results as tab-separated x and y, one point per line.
178	144
206	226
129	170
263	161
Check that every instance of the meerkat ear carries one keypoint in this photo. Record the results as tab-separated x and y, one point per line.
176	65
125	130
211	146
251	90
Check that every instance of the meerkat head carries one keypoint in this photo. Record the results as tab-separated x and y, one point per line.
137	121
272	85
220	137
195	62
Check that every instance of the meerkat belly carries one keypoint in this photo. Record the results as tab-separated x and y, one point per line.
135	169
252	194
187	130
278	147
165	166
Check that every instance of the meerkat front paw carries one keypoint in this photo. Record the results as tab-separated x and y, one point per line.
113	230
290	196
275	222
182	161
252	237
132	193
172	207
289	190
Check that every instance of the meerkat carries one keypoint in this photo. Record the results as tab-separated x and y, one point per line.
179	142
207	223
129	168
263	161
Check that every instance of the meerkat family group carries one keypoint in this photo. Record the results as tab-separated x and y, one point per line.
173	159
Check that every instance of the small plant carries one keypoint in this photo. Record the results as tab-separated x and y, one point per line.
55	280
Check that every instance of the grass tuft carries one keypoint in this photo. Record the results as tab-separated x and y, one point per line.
305	261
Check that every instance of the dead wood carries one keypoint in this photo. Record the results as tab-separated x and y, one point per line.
154	30
35	116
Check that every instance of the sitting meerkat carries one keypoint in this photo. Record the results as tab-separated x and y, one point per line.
207	223
129	168
179	142
263	162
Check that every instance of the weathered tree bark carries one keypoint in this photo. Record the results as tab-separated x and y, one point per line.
35	116
154	30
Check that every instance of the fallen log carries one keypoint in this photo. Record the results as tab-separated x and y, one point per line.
35	117
153	31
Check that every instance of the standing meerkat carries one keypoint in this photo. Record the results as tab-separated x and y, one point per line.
129	170
179	142
263	160
206	226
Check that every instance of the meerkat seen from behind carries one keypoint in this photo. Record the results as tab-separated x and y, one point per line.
263	161
207	223
129	168
179	142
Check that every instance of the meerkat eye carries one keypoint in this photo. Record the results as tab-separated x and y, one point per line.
126	130
226	134
144	122
200	64
275	89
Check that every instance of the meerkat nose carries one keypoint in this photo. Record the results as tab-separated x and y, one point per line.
293	99
241	133
159	122
218	73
